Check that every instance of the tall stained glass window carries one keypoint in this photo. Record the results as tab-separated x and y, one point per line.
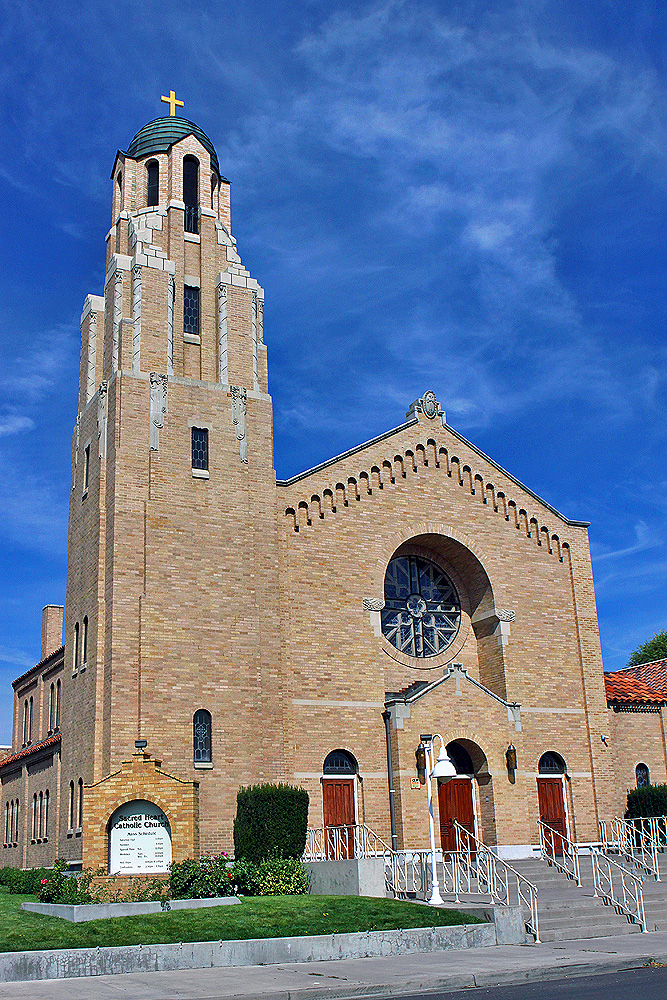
201	735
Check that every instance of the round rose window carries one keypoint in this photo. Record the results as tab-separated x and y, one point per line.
422	611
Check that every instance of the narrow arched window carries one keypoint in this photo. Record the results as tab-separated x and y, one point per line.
80	822
201	735
84	642
12	838
214	184
75	665
119	190
46	814
40	827
25	722
34	816
152	183
17	811
643	776
7	831
71	805
30	721
52	707
191	194
58	704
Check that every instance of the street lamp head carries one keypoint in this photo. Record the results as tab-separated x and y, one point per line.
444	767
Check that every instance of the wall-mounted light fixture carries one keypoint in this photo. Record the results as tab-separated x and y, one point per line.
420	758
141	744
510	757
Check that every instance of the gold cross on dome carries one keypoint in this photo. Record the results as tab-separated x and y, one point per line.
172	102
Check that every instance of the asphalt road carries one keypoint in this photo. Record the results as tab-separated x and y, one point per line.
635	984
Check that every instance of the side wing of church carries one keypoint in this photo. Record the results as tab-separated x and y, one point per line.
223	628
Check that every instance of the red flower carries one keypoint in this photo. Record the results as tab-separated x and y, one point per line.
43	881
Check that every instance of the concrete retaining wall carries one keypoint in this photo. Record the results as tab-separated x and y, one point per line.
356	877
69	962
100	911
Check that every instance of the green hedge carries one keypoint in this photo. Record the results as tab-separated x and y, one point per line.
24	883
271	822
649	801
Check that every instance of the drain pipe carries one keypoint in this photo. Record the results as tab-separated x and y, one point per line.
390	776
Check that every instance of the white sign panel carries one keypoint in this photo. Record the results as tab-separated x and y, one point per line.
139	839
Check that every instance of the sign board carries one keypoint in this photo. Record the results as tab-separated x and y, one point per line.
415	783
139	839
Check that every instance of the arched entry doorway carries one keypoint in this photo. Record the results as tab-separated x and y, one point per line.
338	804
551	797
457	797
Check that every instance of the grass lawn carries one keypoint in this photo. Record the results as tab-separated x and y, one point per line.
255	917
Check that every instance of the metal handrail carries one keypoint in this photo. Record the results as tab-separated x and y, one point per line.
339	843
635	843
566	862
496	874
632	890
653	826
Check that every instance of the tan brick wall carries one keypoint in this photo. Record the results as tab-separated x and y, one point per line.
141	777
635	738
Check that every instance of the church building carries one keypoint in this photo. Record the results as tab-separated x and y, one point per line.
223	627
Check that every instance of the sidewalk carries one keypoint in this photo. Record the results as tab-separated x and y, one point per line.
365	977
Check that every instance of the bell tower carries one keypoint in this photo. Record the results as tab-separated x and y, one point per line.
173	555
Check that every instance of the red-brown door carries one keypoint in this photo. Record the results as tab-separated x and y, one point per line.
338	803
552	809
455	803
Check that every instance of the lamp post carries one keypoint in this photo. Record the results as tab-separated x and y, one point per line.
443	769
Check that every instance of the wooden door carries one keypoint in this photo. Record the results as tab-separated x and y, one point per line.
455	803
338	804
552	809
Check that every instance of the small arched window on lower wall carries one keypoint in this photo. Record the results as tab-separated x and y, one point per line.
642	775
201	737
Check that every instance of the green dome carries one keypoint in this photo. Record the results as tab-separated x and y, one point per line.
160	135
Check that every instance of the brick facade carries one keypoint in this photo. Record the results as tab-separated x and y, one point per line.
260	600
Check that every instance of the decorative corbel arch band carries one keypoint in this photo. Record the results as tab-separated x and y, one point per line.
388	472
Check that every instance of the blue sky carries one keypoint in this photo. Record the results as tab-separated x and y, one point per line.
463	196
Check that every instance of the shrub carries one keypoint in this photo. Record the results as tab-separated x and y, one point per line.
26	882
649	801
208	877
245	877
59	887
271	821
281	877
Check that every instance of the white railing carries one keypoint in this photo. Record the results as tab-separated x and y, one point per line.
560	852
633	842
498	878
654	827
628	896
339	843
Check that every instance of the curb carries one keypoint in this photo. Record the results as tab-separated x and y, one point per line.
459	982
70	963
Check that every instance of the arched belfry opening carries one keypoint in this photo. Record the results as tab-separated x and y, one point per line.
467	799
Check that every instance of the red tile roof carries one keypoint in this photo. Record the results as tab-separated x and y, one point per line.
624	686
654	674
49	742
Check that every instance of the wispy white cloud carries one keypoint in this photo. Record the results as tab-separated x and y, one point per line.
16	657
14	424
645	538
